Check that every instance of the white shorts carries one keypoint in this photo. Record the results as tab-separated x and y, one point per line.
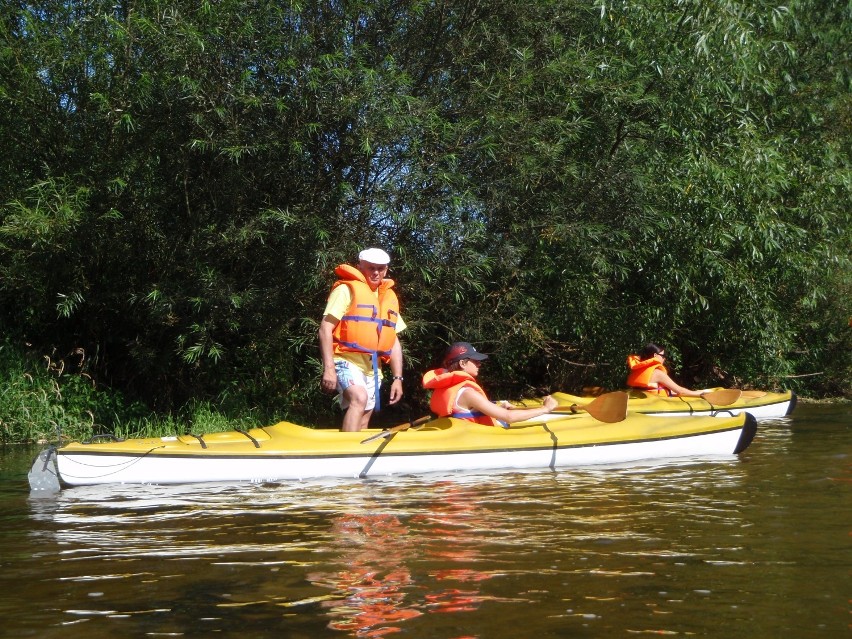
348	374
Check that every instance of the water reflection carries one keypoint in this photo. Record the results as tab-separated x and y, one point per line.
373	581
646	549
454	535
393	571
672	548
374	558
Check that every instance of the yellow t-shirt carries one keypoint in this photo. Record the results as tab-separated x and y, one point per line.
338	303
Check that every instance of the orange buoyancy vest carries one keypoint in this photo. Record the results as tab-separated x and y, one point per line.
445	386
369	326
640	374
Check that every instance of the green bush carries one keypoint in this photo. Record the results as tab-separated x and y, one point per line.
558	182
41	400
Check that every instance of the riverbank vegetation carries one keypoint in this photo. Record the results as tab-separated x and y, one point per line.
42	401
557	182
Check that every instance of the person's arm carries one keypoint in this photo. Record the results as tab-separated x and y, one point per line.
476	402
326	345
659	377
396	371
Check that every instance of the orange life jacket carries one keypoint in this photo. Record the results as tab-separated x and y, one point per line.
640	374
369	326
445	386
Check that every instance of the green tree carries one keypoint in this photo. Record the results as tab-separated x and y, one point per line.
557	181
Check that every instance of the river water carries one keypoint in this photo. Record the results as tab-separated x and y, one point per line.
757	546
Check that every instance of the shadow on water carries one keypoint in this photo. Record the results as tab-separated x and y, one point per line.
690	547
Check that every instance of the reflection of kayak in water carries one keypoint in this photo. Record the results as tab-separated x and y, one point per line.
286	452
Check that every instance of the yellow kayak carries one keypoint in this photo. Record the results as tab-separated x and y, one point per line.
289	452
717	402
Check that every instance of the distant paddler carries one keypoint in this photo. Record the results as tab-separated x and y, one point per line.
648	373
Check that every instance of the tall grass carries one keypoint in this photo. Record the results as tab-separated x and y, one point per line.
43	400
196	417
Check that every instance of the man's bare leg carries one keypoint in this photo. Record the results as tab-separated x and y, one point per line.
354	416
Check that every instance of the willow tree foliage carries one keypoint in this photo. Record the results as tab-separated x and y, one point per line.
558	181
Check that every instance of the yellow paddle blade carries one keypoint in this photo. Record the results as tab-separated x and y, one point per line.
400	427
609	407
723	397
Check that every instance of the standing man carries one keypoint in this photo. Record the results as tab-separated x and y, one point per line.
359	331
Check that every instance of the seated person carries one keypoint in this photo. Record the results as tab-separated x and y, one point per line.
647	373
455	392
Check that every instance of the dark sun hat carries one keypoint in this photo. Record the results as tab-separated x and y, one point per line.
462	350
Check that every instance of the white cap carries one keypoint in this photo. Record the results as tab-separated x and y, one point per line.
374	256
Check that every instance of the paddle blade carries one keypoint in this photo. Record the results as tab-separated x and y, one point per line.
609	408
723	397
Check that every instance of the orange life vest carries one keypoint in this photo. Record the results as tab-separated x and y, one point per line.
640	374
369	326
445	386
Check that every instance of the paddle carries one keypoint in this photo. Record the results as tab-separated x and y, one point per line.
609	407
390	431
722	397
